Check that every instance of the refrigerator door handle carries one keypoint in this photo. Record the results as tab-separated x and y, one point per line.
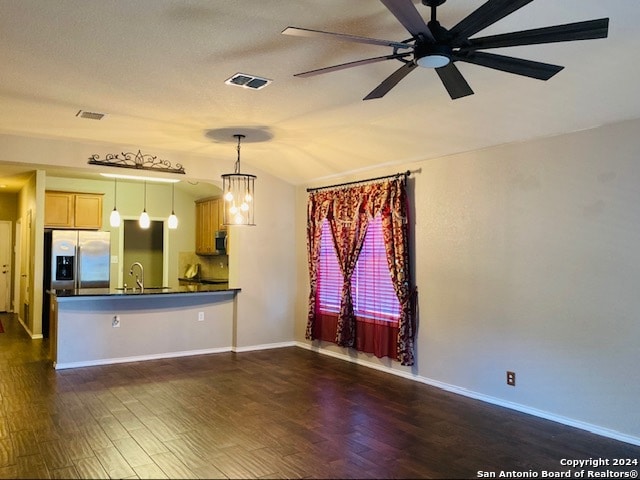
76	278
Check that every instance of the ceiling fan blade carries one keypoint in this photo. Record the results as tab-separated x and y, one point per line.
453	81
391	81
485	15
519	66
406	13
306	32
342	66
558	33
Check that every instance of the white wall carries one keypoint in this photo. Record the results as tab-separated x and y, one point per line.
262	264
527	258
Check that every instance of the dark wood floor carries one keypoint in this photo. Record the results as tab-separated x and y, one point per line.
284	413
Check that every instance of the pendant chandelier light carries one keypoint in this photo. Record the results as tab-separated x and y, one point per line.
114	218
238	194
173	220
144	221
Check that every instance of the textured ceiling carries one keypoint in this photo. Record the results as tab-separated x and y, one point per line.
157	69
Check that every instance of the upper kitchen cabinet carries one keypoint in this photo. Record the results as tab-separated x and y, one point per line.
73	210
209	218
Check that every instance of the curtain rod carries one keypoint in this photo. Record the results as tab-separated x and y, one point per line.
395	175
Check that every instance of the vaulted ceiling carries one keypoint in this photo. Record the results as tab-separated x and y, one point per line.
157	70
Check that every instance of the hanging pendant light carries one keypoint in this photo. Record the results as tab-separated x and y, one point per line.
173	220
238	194
144	221
114	218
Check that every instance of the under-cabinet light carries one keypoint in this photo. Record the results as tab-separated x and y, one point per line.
134	177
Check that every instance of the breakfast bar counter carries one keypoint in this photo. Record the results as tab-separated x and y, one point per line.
99	326
110	292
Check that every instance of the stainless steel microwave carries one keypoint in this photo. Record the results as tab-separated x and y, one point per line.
221	242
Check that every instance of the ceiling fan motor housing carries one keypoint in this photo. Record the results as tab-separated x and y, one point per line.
432	55
433	3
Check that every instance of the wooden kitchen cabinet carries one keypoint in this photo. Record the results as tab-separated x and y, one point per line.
208	220
73	210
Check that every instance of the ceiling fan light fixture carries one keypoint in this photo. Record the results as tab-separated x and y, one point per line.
435	60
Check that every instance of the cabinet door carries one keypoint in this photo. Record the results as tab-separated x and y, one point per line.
88	211
221	225
59	209
215	220
204	230
209	219
199	227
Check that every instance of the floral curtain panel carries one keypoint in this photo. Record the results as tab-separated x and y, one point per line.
348	211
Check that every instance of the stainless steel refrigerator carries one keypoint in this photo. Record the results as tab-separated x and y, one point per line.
73	259
79	259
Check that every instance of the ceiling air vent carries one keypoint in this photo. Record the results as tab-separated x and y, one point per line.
248	81
90	115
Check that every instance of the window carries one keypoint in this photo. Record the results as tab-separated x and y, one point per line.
374	297
382	294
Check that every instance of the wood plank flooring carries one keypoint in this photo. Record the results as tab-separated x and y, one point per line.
283	413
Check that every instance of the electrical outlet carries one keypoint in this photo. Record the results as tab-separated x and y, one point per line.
200	316
511	378
115	323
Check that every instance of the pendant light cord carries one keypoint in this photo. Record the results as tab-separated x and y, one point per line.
237	166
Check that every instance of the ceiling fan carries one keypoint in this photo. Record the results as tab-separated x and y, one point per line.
433	46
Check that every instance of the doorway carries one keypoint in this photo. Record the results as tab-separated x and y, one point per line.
5	266
146	246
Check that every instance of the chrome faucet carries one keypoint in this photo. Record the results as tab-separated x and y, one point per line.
139	280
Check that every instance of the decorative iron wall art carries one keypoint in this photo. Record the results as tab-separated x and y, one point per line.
137	161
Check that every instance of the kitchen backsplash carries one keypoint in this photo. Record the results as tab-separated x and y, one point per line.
216	266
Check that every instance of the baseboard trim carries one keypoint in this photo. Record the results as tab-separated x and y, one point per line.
157	356
139	358
26	329
266	346
604	432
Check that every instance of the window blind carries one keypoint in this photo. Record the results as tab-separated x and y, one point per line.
372	290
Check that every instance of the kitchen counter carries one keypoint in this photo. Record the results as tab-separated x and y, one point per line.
204	280
193	288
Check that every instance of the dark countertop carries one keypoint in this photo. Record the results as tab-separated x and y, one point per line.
109	292
205	280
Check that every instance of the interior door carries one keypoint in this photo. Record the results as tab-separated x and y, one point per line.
17	262
5	266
